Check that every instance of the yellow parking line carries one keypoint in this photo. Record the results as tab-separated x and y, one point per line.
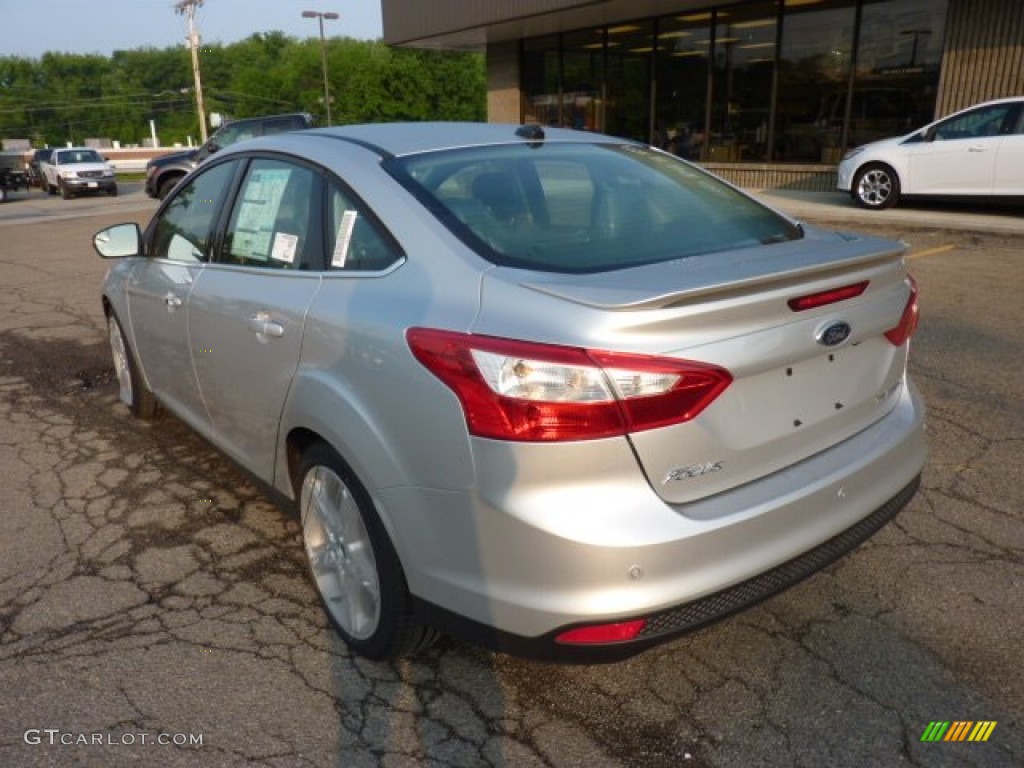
931	251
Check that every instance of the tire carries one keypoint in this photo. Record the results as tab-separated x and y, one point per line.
133	391
112	191
165	187
876	186
352	561
3	194
50	189
65	193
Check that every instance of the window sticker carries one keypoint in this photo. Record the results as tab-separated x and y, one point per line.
341	246
284	248
257	213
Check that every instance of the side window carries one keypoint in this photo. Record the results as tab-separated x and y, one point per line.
978	124
1020	120
354	242
234	133
270	224
184	228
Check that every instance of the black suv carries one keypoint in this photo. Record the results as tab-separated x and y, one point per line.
163	172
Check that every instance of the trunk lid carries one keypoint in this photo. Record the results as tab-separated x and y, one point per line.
803	380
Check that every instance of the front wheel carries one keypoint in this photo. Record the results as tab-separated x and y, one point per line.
132	390
65	193
876	186
352	561
165	186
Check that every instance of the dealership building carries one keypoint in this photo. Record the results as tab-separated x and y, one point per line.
767	92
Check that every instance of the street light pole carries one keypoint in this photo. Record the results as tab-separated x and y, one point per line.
323	52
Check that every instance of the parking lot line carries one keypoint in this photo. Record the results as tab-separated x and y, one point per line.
931	251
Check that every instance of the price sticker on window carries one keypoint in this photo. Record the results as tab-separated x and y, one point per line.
341	246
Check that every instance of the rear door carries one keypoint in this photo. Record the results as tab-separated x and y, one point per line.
1010	161
247	313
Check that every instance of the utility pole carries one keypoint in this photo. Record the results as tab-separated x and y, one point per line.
187	8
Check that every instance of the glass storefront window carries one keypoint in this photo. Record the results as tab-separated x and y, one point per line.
540	78
628	80
681	84
762	81
744	71
814	80
583	80
898	64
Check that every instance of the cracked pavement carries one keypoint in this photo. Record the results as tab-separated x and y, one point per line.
148	588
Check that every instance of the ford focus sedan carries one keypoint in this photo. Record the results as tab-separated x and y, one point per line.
555	393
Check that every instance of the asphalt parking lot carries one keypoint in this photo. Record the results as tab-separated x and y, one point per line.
154	607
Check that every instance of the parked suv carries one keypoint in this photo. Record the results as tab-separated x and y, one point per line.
163	172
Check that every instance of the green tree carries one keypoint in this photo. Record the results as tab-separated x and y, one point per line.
62	97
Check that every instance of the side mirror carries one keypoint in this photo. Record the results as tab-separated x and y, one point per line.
929	135
119	241
211	146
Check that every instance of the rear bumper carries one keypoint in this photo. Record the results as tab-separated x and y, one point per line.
664	625
511	568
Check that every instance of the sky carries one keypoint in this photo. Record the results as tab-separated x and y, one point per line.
30	28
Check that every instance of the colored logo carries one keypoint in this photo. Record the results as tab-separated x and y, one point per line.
834	334
958	730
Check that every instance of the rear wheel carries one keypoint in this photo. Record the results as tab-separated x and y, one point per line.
876	186
132	390
352	561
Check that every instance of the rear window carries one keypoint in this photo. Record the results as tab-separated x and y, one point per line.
564	207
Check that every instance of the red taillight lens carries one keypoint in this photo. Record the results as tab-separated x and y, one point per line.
831	296
899	335
602	633
524	391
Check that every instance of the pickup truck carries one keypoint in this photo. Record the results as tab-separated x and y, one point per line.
75	170
12	173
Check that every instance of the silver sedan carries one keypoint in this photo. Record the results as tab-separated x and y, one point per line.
556	393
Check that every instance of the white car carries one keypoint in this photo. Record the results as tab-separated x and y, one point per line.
76	170
975	152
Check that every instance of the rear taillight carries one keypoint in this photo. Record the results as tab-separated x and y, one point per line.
524	391
908	321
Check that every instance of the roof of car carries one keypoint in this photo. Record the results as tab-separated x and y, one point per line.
411	138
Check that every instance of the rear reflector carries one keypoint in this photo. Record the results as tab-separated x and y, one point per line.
831	296
602	633
530	392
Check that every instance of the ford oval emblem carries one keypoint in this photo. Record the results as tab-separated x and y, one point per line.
834	335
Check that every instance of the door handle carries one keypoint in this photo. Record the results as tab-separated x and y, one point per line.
172	301
264	326
976	148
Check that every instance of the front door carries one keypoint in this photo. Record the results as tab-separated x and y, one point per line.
160	288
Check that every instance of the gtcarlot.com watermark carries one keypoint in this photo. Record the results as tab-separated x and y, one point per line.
55	737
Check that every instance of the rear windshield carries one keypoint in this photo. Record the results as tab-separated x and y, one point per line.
566	207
